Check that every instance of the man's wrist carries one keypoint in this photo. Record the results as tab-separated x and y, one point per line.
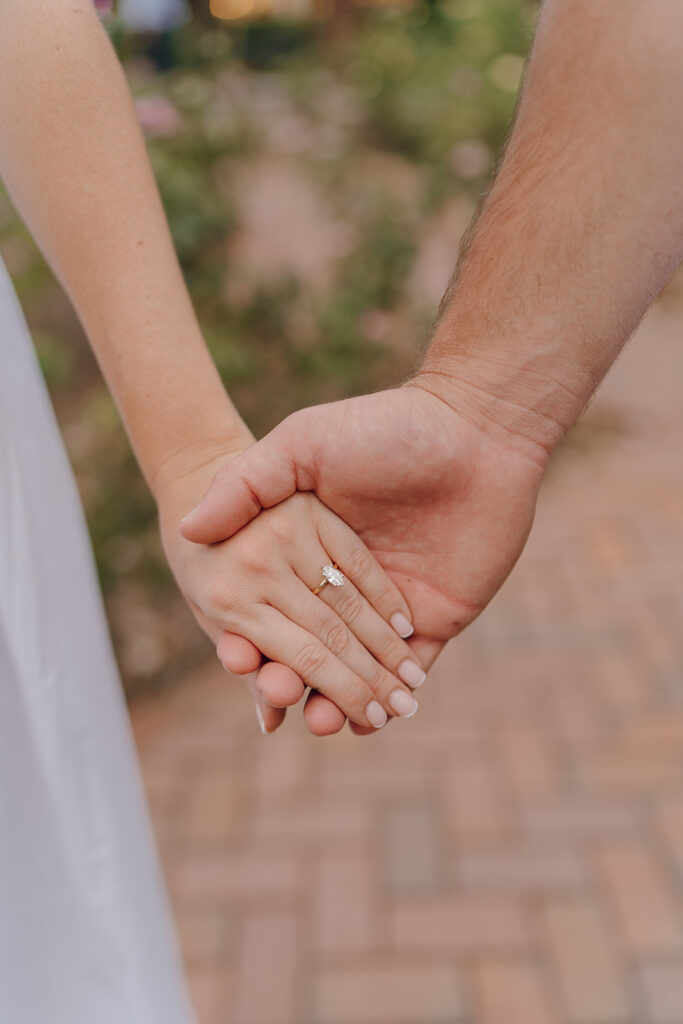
516	400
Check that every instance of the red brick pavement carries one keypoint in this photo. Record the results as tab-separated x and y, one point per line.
514	853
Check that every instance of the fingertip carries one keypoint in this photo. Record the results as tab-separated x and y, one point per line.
425	650
402	625
198	526
187	533
228	505
259	718
364	730
201	527
322	717
269	718
237	654
280	685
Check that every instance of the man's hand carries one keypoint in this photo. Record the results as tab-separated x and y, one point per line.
444	504
580	230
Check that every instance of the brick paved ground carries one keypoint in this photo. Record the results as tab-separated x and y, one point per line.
514	853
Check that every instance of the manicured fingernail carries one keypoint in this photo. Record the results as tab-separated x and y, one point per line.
259	718
410	673
376	715
190	514
403	704
401	624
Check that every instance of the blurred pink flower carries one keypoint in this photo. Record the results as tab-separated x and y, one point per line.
158	117
470	159
104	8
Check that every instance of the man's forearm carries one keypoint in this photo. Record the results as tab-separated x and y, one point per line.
73	158
582	227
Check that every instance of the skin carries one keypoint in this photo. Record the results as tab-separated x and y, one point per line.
74	160
582	227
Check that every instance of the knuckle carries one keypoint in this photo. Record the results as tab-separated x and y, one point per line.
356	696
253	555
360	564
310	660
220	595
291	423
377	681
281	526
385	596
387	649
335	636
223	474
350	607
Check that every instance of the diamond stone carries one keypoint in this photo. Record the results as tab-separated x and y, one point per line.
333	575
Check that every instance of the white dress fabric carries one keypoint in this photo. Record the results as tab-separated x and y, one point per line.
85	931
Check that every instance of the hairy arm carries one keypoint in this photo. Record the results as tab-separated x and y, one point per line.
582	227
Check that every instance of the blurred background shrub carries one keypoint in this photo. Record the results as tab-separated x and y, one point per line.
318	165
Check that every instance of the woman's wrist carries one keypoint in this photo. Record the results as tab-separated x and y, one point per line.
182	478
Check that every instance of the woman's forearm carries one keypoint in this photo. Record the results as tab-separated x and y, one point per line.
74	160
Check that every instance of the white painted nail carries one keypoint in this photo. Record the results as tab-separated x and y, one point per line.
411	673
401	623
259	718
376	715
403	703
190	514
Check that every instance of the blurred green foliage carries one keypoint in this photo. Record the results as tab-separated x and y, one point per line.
432	80
427	93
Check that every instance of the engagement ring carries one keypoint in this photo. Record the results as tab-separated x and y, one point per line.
331	574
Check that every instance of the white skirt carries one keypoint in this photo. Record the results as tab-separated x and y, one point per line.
152	15
85	930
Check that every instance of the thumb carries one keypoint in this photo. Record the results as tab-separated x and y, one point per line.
259	478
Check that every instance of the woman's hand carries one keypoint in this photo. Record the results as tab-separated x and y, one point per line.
443	497
259	586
